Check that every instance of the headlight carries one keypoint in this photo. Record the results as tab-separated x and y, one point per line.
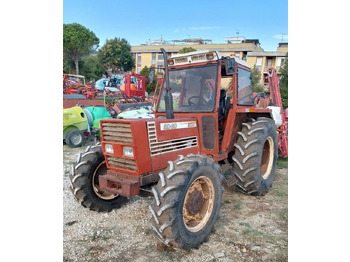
127	151
109	149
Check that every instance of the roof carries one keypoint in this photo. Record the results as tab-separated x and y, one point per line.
267	53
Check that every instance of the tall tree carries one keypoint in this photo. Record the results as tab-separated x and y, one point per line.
92	68
257	87
77	42
116	54
284	83
150	87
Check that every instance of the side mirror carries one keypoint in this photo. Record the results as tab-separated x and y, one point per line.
151	75
230	66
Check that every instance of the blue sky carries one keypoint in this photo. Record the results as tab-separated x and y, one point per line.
137	21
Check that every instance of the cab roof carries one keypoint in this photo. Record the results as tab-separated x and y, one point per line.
200	56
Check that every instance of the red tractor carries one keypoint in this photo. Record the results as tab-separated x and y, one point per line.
75	84
176	156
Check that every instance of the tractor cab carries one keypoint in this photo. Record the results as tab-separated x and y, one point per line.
202	85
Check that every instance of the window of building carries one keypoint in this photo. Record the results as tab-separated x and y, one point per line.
280	61
268	61
139	59
160	68
153	58
258	63
138	69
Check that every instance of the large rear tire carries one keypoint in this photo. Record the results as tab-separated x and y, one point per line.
187	201
255	156
84	182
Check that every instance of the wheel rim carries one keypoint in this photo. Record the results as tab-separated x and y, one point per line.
267	158
76	139
101	169
198	204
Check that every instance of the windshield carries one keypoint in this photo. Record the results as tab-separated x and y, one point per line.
193	89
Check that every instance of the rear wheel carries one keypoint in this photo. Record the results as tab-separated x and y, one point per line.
85	185
187	201
255	157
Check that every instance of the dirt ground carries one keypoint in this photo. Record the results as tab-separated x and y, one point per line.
249	228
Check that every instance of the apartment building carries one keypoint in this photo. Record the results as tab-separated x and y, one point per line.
249	50
264	60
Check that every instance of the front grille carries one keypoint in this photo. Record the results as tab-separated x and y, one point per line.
167	146
122	163
117	132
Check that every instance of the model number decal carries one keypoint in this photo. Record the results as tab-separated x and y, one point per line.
177	125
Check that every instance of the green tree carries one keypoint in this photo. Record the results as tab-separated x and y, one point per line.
257	87
284	83
78	41
92	68
68	66
116	54
150	87
186	50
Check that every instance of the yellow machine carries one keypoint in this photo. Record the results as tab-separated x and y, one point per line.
75	122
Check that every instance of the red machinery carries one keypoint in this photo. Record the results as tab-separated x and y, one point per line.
76	91
176	155
276	100
134	85
75	84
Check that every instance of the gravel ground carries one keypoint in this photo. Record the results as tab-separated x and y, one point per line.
249	228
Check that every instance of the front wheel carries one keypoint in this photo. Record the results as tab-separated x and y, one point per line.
85	184
187	201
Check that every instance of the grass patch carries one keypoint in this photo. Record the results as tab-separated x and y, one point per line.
279	192
249	230
284	215
237	204
282	163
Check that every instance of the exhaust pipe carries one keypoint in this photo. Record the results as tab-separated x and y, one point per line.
168	99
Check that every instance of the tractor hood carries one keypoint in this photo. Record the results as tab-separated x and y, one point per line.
140	146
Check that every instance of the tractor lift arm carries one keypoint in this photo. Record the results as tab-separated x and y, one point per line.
277	101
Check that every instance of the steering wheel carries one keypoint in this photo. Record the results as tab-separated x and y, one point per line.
200	100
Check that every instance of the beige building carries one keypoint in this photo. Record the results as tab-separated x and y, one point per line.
264	60
246	49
